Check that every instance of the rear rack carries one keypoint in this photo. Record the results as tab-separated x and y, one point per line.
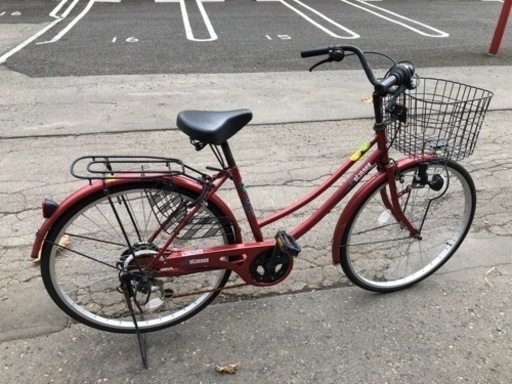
104	167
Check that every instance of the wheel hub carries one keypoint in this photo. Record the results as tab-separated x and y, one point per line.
134	264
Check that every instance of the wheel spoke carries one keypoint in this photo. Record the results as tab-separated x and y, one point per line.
82	277
379	254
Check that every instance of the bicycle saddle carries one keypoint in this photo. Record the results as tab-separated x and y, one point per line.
213	127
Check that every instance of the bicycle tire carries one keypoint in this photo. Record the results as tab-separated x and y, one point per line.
82	279
378	253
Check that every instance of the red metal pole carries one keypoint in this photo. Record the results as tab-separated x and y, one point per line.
500	28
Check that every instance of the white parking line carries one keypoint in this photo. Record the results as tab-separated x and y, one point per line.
70	25
404	24
57	9
352	34
69	9
53	14
4	57
186	20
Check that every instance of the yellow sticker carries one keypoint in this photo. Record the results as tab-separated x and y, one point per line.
361	151
356	156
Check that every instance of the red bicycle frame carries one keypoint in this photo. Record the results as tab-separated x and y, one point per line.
238	257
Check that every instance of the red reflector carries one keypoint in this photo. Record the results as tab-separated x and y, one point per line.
49	206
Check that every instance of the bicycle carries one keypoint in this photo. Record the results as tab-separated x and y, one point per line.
148	242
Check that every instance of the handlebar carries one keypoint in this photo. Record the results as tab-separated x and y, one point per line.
316	51
401	74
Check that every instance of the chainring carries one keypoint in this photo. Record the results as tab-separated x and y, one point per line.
270	266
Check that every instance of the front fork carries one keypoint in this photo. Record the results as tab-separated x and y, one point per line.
391	198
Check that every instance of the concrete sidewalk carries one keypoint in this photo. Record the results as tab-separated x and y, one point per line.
59	106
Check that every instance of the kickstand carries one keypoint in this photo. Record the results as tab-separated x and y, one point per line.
141	337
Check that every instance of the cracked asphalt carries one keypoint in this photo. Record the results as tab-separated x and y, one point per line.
313	328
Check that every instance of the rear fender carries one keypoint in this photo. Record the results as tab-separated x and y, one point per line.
354	204
99	185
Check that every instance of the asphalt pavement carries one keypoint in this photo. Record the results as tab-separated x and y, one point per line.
315	327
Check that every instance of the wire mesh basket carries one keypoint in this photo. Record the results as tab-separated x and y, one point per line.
442	119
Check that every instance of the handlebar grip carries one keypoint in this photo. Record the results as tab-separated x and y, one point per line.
400	74
314	52
384	85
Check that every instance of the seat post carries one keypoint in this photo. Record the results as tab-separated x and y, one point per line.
228	155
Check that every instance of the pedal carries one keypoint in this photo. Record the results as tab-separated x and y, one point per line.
287	244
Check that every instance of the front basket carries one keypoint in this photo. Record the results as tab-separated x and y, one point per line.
443	119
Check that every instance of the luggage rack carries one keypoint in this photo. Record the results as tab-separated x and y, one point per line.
104	167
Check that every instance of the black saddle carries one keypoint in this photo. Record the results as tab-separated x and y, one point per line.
214	127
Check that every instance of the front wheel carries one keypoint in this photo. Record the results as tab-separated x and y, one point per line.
377	251
123	229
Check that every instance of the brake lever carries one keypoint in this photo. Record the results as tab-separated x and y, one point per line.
320	63
334	55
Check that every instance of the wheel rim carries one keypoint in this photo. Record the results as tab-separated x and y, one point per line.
380	252
83	271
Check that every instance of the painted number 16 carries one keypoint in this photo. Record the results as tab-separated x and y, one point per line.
12	14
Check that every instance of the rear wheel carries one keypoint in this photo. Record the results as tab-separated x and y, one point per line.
85	248
378	252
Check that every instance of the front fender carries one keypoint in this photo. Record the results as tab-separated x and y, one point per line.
99	185
355	202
